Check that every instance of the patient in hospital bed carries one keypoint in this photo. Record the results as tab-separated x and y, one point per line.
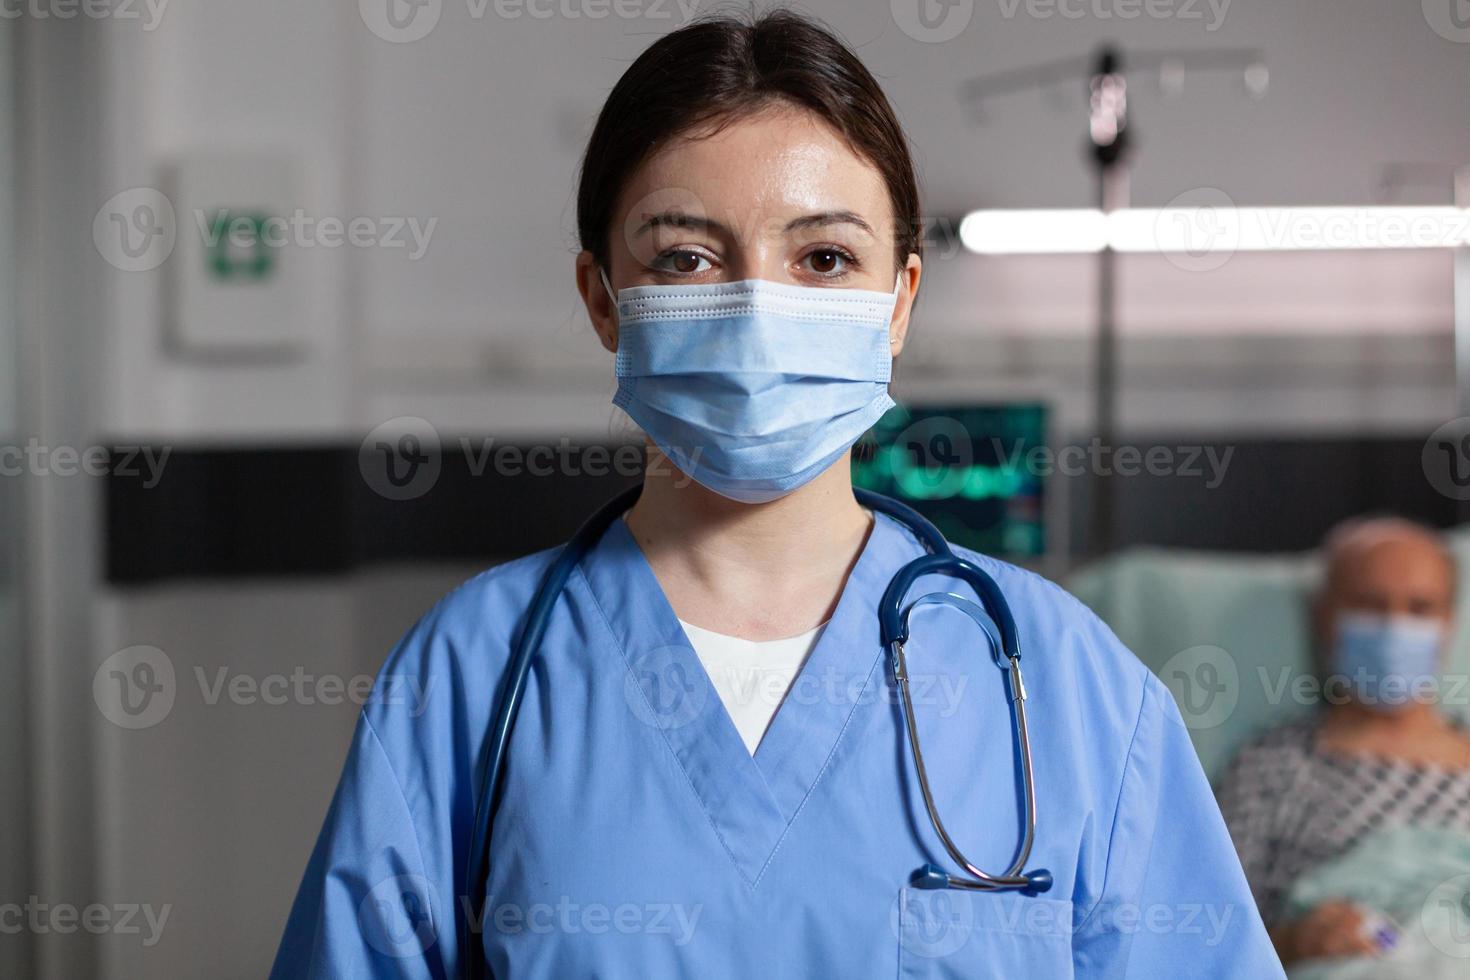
1353	824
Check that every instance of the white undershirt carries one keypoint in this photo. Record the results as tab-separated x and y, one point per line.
752	677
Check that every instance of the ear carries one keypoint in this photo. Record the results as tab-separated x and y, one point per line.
601	308
908	290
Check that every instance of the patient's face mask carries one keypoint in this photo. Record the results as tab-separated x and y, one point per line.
753	388
1387	661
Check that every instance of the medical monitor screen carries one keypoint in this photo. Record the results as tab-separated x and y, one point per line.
971	469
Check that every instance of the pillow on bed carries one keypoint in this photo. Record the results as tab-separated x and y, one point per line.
1230	634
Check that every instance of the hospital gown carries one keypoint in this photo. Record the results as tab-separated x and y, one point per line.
638	837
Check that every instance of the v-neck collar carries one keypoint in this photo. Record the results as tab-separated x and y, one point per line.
750	800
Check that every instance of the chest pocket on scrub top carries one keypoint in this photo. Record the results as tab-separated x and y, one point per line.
950	934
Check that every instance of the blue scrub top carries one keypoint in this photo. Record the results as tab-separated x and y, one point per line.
637	837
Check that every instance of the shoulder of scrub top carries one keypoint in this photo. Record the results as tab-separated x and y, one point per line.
446	669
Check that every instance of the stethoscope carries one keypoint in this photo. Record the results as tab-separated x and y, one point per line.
893	618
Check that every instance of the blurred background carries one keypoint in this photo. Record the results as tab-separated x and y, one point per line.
289	346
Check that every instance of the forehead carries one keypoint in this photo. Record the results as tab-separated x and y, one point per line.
1394	562
779	162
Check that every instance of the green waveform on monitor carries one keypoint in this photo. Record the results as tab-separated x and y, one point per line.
975	481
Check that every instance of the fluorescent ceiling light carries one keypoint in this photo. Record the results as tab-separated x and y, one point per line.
1206	230
1031	231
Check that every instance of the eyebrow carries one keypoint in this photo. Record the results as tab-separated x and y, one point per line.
829	218
678	219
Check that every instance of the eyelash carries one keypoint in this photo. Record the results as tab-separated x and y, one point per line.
850	262
660	261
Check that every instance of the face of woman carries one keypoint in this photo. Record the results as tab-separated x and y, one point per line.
776	195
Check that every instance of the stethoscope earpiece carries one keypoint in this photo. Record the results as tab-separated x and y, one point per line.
930	878
1040	882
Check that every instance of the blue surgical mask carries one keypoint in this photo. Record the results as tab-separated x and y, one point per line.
753	388
1387	661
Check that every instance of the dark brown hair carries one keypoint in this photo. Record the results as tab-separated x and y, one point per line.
719	69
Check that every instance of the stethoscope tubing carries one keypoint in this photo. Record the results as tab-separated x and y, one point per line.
893	623
538	616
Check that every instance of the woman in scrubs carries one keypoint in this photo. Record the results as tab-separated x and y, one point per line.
708	777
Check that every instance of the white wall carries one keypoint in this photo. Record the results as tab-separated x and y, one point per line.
228	78
478	126
213	810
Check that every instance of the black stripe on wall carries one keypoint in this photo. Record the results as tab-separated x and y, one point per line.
272	511
222	512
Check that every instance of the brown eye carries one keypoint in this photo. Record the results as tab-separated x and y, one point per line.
681	262
829	263
825	261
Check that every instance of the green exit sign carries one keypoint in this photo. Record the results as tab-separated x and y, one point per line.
236	248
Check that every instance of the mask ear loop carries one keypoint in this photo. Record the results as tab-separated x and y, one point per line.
612	297
897	290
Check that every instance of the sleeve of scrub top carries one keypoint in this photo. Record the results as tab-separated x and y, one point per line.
365	907
379	896
1175	901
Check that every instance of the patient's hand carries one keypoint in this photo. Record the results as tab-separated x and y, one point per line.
1330	929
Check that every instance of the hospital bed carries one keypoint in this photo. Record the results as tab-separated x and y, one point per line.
1231	634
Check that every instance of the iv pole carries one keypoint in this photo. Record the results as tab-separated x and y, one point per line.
1109	136
1462	300
1460	290
1109	145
